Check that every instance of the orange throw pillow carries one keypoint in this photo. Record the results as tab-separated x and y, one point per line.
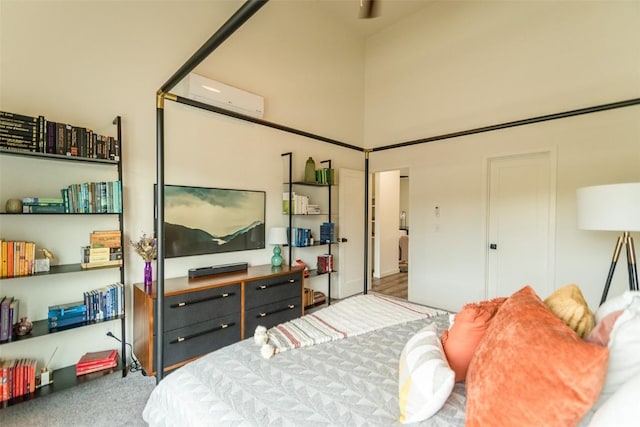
462	339
532	370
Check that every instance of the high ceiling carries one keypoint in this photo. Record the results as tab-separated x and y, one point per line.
389	12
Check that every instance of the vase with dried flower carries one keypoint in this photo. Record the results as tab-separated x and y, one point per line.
147	248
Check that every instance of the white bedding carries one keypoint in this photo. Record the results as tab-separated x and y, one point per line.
348	382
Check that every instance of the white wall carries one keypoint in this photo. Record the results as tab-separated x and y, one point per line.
460	65
84	62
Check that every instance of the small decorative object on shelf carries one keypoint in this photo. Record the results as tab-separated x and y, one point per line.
306	267
277	237
43	265
310	170
147	248
23	327
148	274
13	206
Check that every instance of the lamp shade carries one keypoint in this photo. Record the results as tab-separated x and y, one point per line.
614	207
277	236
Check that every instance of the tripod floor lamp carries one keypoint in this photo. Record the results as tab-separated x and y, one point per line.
614	207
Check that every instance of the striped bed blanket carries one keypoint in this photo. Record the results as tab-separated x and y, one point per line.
350	317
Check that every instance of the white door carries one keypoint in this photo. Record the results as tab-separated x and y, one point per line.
351	227
521	214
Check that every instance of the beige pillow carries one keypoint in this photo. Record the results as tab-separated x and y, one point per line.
570	306
425	378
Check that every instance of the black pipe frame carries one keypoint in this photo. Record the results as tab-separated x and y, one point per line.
246	11
235	22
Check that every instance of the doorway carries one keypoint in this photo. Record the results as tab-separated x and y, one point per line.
521	225
390	225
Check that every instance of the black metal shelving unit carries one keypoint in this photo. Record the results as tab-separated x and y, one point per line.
65	377
290	183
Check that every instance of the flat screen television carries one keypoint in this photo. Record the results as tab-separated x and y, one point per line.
200	220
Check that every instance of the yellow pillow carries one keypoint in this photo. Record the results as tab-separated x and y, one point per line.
570	306
531	369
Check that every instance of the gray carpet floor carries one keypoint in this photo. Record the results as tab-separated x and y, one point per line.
108	401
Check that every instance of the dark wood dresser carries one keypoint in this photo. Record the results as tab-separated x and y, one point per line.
210	312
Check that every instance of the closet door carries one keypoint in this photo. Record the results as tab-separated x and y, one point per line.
521	224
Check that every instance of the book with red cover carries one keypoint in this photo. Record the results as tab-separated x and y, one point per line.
90	369
97	359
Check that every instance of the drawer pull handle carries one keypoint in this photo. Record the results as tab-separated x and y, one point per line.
273	285
196	301
188	337
288	307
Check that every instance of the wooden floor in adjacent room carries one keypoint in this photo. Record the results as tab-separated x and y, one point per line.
394	285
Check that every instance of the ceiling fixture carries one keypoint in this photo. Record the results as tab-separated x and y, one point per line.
368	9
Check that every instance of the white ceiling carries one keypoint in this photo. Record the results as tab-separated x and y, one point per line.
389	12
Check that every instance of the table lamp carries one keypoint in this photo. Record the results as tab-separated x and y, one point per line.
277	237
614	207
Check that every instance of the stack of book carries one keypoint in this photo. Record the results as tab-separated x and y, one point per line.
8	317
43	205
105	249
97	361
17	378
37	134
65	315
327	232
17	258
325	263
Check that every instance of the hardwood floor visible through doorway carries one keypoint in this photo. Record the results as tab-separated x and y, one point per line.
395	285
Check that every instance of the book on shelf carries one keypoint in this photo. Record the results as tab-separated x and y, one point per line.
97	361
93	197
105	303
17	378
37	134
6	324
91	255
98	264
68	309
325	176
105	239
17	258
325	263
69	314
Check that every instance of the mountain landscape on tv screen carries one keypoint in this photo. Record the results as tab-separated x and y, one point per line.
184	241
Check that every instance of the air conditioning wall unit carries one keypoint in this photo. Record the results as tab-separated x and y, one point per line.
218	94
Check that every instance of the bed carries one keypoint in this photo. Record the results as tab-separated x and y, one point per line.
354	380
349	381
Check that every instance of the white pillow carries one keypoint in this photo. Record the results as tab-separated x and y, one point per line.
617	303
624	348
621	409
425	378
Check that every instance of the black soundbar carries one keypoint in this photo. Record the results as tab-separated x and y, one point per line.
217	269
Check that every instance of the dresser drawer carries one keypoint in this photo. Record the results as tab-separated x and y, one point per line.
271	314
273	289
195	340
196	307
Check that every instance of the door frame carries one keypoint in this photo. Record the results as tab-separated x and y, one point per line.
551	244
